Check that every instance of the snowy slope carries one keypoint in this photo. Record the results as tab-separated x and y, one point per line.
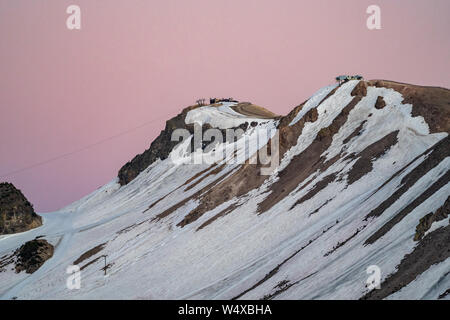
314	240
221	117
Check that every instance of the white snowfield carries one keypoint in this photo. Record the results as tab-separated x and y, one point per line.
156	259
221	117
312	102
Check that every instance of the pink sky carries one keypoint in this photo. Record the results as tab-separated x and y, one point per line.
134	61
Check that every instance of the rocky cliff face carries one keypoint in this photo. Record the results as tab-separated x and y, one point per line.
16	212
159	149
32	255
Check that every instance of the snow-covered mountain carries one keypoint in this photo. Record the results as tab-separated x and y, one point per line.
362	184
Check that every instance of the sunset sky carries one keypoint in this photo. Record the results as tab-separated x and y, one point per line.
70	94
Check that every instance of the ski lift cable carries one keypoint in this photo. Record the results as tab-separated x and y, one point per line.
84	148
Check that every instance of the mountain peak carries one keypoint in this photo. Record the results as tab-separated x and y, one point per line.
307	205
16	212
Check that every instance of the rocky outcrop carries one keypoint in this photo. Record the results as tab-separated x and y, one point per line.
159	149
434	248
426	222
32	255
360	89
432	103
436	154
16	212
380	103
365	158
296	171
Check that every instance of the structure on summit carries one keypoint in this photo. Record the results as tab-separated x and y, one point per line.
217	100
344	78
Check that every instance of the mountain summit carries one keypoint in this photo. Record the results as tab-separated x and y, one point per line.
346	197
16	212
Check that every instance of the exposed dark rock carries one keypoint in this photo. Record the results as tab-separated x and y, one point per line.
193	215
321	206
278	267
432	249
360	89
246	178
90	253
355	133
317	187
32	255
5	261
159	148
364	164
442	181
296	171
436	154
380	103
222	213
290	134
214	171
279	288
426	222
340	244
444	294
283	286
432	103
16	212
286	120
